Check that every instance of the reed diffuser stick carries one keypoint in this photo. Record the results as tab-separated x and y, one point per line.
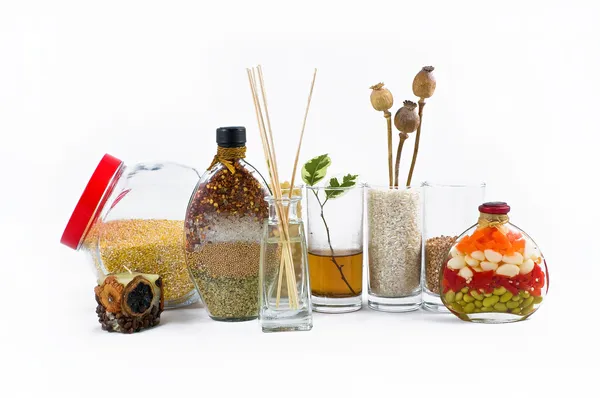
268	119
270	156
266	149
286	257
292	180
283	215
312	86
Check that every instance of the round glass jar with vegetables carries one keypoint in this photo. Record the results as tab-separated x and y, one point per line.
495	273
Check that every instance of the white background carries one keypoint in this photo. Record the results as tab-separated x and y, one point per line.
516	105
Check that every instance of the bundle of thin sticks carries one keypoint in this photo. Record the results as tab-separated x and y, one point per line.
286	266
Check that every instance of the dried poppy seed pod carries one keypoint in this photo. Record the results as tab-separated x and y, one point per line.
424	82
129	302
381	98
406	119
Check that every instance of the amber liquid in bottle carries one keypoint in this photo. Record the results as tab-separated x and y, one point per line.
326	279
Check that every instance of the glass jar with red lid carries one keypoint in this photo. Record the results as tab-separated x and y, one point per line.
495	273
130	218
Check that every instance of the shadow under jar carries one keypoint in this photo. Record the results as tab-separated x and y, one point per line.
284	286
394	239
446	210
335	247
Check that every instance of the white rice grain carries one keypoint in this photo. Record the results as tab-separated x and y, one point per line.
394	217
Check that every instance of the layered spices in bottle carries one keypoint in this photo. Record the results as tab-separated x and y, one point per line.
223	229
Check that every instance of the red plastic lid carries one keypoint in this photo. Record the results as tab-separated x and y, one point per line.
495	208
92	201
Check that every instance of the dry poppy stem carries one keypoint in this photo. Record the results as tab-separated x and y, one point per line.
388	117
398	153
417	138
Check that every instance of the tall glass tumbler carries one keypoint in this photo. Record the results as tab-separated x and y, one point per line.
335	247
394	236
447	209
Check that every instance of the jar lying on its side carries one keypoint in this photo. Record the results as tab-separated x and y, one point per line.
495	273
131	219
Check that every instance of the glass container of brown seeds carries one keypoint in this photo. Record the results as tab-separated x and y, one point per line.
223	230
447	208
130	219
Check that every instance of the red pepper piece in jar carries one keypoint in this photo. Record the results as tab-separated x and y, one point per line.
539	279
453	281
506	282
532	282
482	280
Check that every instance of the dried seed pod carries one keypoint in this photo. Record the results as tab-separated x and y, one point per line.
424	82
381	98
160	285
138	296
406	119
109	294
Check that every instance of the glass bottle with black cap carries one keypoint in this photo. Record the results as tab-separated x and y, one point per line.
223	229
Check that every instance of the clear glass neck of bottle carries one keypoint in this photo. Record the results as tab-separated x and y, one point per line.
285	205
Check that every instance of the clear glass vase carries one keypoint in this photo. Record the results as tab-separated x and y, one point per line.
446	211
284	285
394	236
335	247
